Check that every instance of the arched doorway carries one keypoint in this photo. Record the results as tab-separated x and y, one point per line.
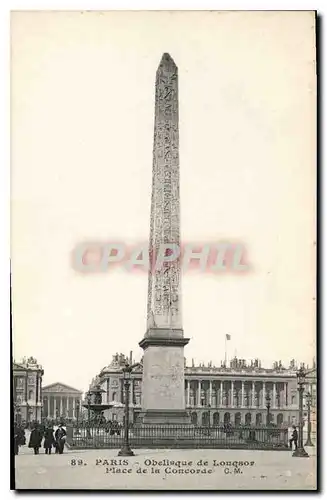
279	419
205	418
248	418
216	418
226	418
258	419
238	419
194	418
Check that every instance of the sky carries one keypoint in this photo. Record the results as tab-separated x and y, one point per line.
82	112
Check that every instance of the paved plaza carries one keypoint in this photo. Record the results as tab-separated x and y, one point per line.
166	469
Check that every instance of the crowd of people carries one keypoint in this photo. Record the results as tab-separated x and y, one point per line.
52	438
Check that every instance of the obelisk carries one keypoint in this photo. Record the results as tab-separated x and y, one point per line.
163	393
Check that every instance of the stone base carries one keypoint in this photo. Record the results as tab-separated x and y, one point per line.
165	417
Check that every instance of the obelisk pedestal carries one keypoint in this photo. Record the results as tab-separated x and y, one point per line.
163	392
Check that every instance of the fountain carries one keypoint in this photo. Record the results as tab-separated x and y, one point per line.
94	403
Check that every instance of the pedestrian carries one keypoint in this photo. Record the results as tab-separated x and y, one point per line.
49	440
35	439
60	437
294	437
21	436
16	439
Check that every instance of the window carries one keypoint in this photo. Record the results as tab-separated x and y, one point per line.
293	400
114	416
30	394
114	396
20	382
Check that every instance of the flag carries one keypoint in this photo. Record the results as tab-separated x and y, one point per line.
228	337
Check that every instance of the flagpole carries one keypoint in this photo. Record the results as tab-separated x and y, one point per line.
225	351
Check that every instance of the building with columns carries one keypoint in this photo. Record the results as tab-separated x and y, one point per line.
27	390
61	401
236	394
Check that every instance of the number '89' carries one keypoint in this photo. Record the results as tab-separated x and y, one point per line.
76	462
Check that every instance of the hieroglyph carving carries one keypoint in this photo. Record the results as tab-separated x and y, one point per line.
164	283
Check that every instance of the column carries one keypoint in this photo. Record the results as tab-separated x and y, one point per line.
107	391
74	406
187	393
210	392
199	394
40	390
253	394
285	395
232	394
221	392
54	407
274	396
26	395
60	406
131	393
263	394
48	404
242	394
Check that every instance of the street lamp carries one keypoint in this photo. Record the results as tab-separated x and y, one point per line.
300	451
126	449
17	413
88	402
268	401
77	417
308	397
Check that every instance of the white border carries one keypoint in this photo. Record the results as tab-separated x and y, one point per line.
5	7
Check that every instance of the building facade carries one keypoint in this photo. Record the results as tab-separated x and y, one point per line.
27	390
61	401
214	395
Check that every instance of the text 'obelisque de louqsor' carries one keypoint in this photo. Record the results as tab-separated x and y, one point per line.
163	393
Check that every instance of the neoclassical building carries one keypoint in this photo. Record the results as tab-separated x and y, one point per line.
27	390
236	394
61	401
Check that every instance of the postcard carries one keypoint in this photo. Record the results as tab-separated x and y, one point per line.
163	250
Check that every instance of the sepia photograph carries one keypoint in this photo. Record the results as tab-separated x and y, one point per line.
163	250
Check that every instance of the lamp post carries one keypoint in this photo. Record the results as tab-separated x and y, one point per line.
126	449
77	417
308	397
17	414
300	451
88	401
268	401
